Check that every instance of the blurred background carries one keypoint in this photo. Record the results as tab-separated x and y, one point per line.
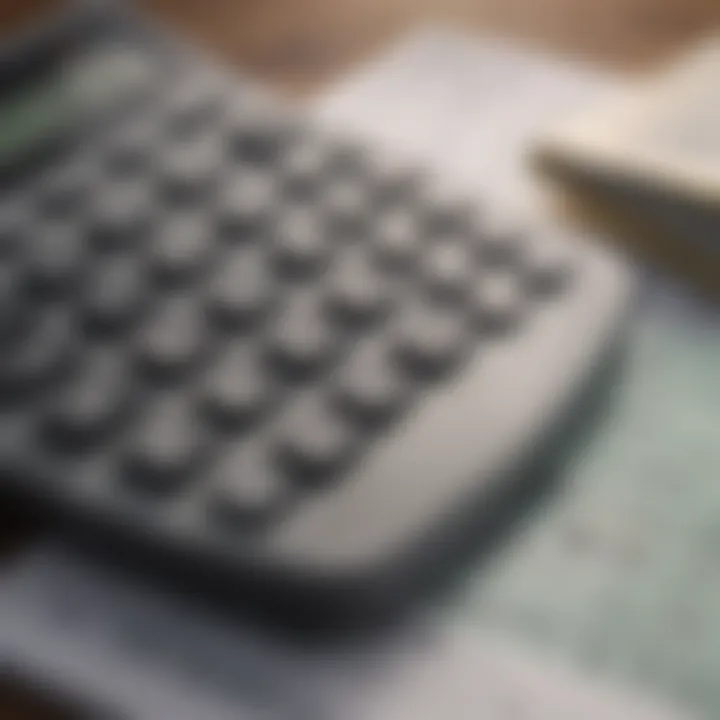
298	45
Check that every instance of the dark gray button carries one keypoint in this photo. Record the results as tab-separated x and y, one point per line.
36	356
397	182
237	389
91	404
166	446
370	387
13	230
497	301
113	295
14	309
501	239
429	340
120	215
129	154
242	290
301	342
173	337
448	268
398	239
300	245
303	167
188	169
358	292
193	104
181	247
64	191
57	254
246	200
246	486
314	442
347	204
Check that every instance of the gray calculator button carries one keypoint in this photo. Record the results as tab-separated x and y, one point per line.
242	289
90	404
245	202
448	268
37	356
301	341
113	295
64	192
498	301
246	486
165	446
180	248
314	442
370	387
173	338
237	389
120	215
303	168
300	245
57	254
188	169
501	239
13	306
398	239
358	292
346	203
430	340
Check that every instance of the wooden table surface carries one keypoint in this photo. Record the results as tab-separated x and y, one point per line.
299	45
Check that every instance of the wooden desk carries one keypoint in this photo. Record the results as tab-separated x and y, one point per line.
300	45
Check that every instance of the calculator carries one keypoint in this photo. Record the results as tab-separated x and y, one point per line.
288	367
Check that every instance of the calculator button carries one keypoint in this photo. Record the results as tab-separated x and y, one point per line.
165	447
347	204
189	168
398	239
448	269
301	342
245	202
301	245
314	442
501	239
430	340
131	153
13	306
444	214
370	387
497	302
193	104
64	192
358	292
173	338
113	295
396	180
245	485
242	289
120	216
304	167
36	356
257	145
90	405
57	255
13	231
237	389
180	248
